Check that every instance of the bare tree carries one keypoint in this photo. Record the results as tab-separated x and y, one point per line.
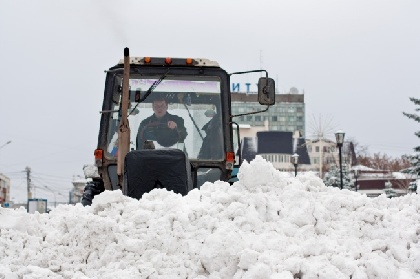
402	184
359	149
378	161
381	161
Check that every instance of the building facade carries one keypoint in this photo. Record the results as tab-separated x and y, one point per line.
270	133
4	189
324	152
288	113
374	182
277	147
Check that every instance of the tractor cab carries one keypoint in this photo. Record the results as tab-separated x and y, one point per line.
175	115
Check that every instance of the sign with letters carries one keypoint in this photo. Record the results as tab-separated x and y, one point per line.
244	87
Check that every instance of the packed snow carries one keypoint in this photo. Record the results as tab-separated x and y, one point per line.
268	225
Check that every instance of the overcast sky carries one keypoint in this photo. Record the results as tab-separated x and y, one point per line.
357	62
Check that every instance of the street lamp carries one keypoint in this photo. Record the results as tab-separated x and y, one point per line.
339	137
5	144
356	175
295	160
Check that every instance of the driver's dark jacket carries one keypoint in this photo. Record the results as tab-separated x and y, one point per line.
153	128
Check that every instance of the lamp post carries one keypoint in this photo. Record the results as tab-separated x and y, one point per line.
356	175
339	136
295	160
5	144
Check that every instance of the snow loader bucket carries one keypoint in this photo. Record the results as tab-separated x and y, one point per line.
145	170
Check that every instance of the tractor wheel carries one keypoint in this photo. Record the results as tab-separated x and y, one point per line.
92	189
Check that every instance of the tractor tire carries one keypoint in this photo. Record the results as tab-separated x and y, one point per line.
92	189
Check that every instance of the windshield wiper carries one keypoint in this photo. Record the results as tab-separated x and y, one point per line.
150	90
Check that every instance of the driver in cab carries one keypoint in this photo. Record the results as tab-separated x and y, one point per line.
164	128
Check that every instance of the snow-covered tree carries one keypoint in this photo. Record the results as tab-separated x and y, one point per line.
389	192
414	158
332	178
412	187
347	180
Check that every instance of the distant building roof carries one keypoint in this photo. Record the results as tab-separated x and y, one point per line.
275	142
302	151
249	148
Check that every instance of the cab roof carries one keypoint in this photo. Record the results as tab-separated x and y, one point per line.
162	61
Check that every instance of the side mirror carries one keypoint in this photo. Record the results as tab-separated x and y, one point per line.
266	91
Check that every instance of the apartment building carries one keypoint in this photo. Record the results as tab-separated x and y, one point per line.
288	113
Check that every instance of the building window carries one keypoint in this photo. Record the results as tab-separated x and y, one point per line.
274	118
330	160
316	148
249	118
257	118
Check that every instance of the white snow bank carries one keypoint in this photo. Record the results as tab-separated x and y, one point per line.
267	225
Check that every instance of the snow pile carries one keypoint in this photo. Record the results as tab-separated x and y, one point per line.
267	225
